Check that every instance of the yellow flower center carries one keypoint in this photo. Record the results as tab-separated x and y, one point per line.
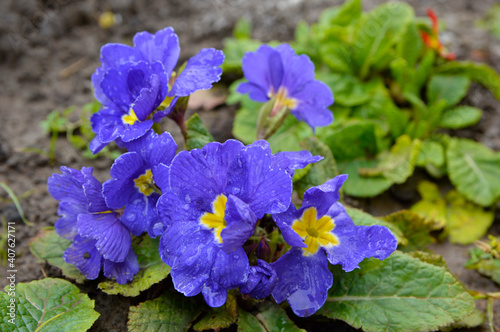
215	220
145	183
315	232
282	100
130	118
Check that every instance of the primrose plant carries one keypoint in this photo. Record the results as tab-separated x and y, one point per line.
219	217
205	203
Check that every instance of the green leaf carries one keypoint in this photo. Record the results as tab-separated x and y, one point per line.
151	269
269	318
432	152
451	88
242	29
477	72
361	218
416	229
219	318
49	246
411	45
351	140
431	206
398	164
460	117
197	134
171	312
47	305
376	32
348	90
362	186
343	15
465	222
336	56
401	293
319	172
485	262
474	169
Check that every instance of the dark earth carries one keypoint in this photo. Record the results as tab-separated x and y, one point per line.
49	49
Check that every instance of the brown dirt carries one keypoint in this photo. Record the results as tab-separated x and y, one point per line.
49	49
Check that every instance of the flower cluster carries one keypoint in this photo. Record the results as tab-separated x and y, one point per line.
207	203
134	81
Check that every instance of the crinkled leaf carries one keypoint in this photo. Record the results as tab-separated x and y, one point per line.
48	305
219	318
401	293
336	56
273	318
248	322
348	90
451	88
411	45
460	117
465	222
362	186
398	164
477	72
151	269
431	152
342	15
376	32
474	169
485	263
49	246
382	111
351	140
431	206
361	218
320	172
171	312
415	229
197	134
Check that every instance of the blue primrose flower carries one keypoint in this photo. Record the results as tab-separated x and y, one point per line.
280	73
134	80
132	185
320	232
212	198
99	238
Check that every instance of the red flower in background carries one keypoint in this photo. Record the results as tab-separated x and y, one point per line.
432	40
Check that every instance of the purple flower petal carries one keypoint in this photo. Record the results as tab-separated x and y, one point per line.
294	160
83	254
357	242
251	178
140	213
154	149
284	222
240	224
68	185
303	281
136	130
93	191
163	46
322	197
65	226
261	280
123	271
119	189
113	239
200	72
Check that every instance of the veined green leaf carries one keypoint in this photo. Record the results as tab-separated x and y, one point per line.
47	305
270	318
451	88
362	186
432	152
197	134
49	246
401	293
171	312
460	117
474	169
477	72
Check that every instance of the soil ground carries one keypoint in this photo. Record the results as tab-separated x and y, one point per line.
49	49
